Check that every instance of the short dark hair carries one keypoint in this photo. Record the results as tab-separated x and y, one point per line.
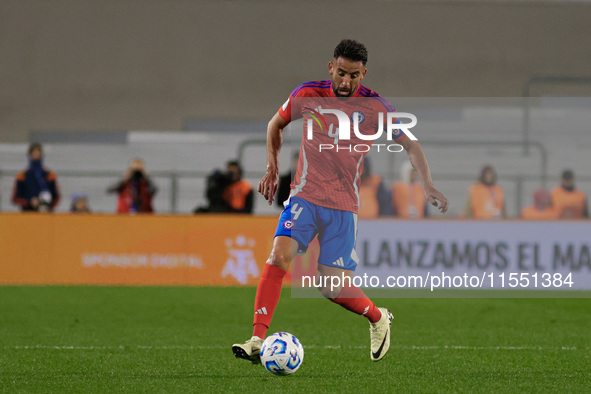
351	50
235	163
34	146
568	174
484	170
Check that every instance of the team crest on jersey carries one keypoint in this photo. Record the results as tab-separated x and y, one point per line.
288	224
359	116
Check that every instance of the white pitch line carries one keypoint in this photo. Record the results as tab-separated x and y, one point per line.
332	347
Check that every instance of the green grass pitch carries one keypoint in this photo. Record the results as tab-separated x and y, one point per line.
178	339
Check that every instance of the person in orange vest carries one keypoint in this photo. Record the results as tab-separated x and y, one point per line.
373	196
238	195
486	199
567	200
227	192
541	209
408	195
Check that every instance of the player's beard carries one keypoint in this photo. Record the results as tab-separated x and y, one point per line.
338	93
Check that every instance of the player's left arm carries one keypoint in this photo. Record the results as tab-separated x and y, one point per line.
417	158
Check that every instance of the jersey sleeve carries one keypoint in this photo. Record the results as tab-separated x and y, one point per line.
285	110
290	110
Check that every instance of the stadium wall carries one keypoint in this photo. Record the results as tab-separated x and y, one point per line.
231	250
133	250
137	65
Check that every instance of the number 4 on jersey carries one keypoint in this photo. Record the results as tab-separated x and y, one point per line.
334	133
295	212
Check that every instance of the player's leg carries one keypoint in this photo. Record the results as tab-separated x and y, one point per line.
286	245
267	296
269	287
336	263
294	232
338	288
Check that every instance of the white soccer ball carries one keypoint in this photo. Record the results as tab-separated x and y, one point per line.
282	353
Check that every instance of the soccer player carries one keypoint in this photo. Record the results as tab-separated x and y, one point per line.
324	200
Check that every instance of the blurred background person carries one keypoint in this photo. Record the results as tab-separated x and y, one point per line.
135	190
373	196
569	202
79	203
238	194
36	188
541	209
285	181
486	199
408	195
227	192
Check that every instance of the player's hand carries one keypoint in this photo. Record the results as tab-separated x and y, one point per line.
268	185
433	196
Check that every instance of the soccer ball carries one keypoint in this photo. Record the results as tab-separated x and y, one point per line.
282	353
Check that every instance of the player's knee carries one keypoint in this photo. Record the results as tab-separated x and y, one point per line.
280	259
329	290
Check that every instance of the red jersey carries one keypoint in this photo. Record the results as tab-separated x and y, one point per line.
330	167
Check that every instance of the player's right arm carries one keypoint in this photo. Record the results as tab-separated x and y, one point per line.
269	182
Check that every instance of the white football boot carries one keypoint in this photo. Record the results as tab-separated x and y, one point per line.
250	350
380	335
